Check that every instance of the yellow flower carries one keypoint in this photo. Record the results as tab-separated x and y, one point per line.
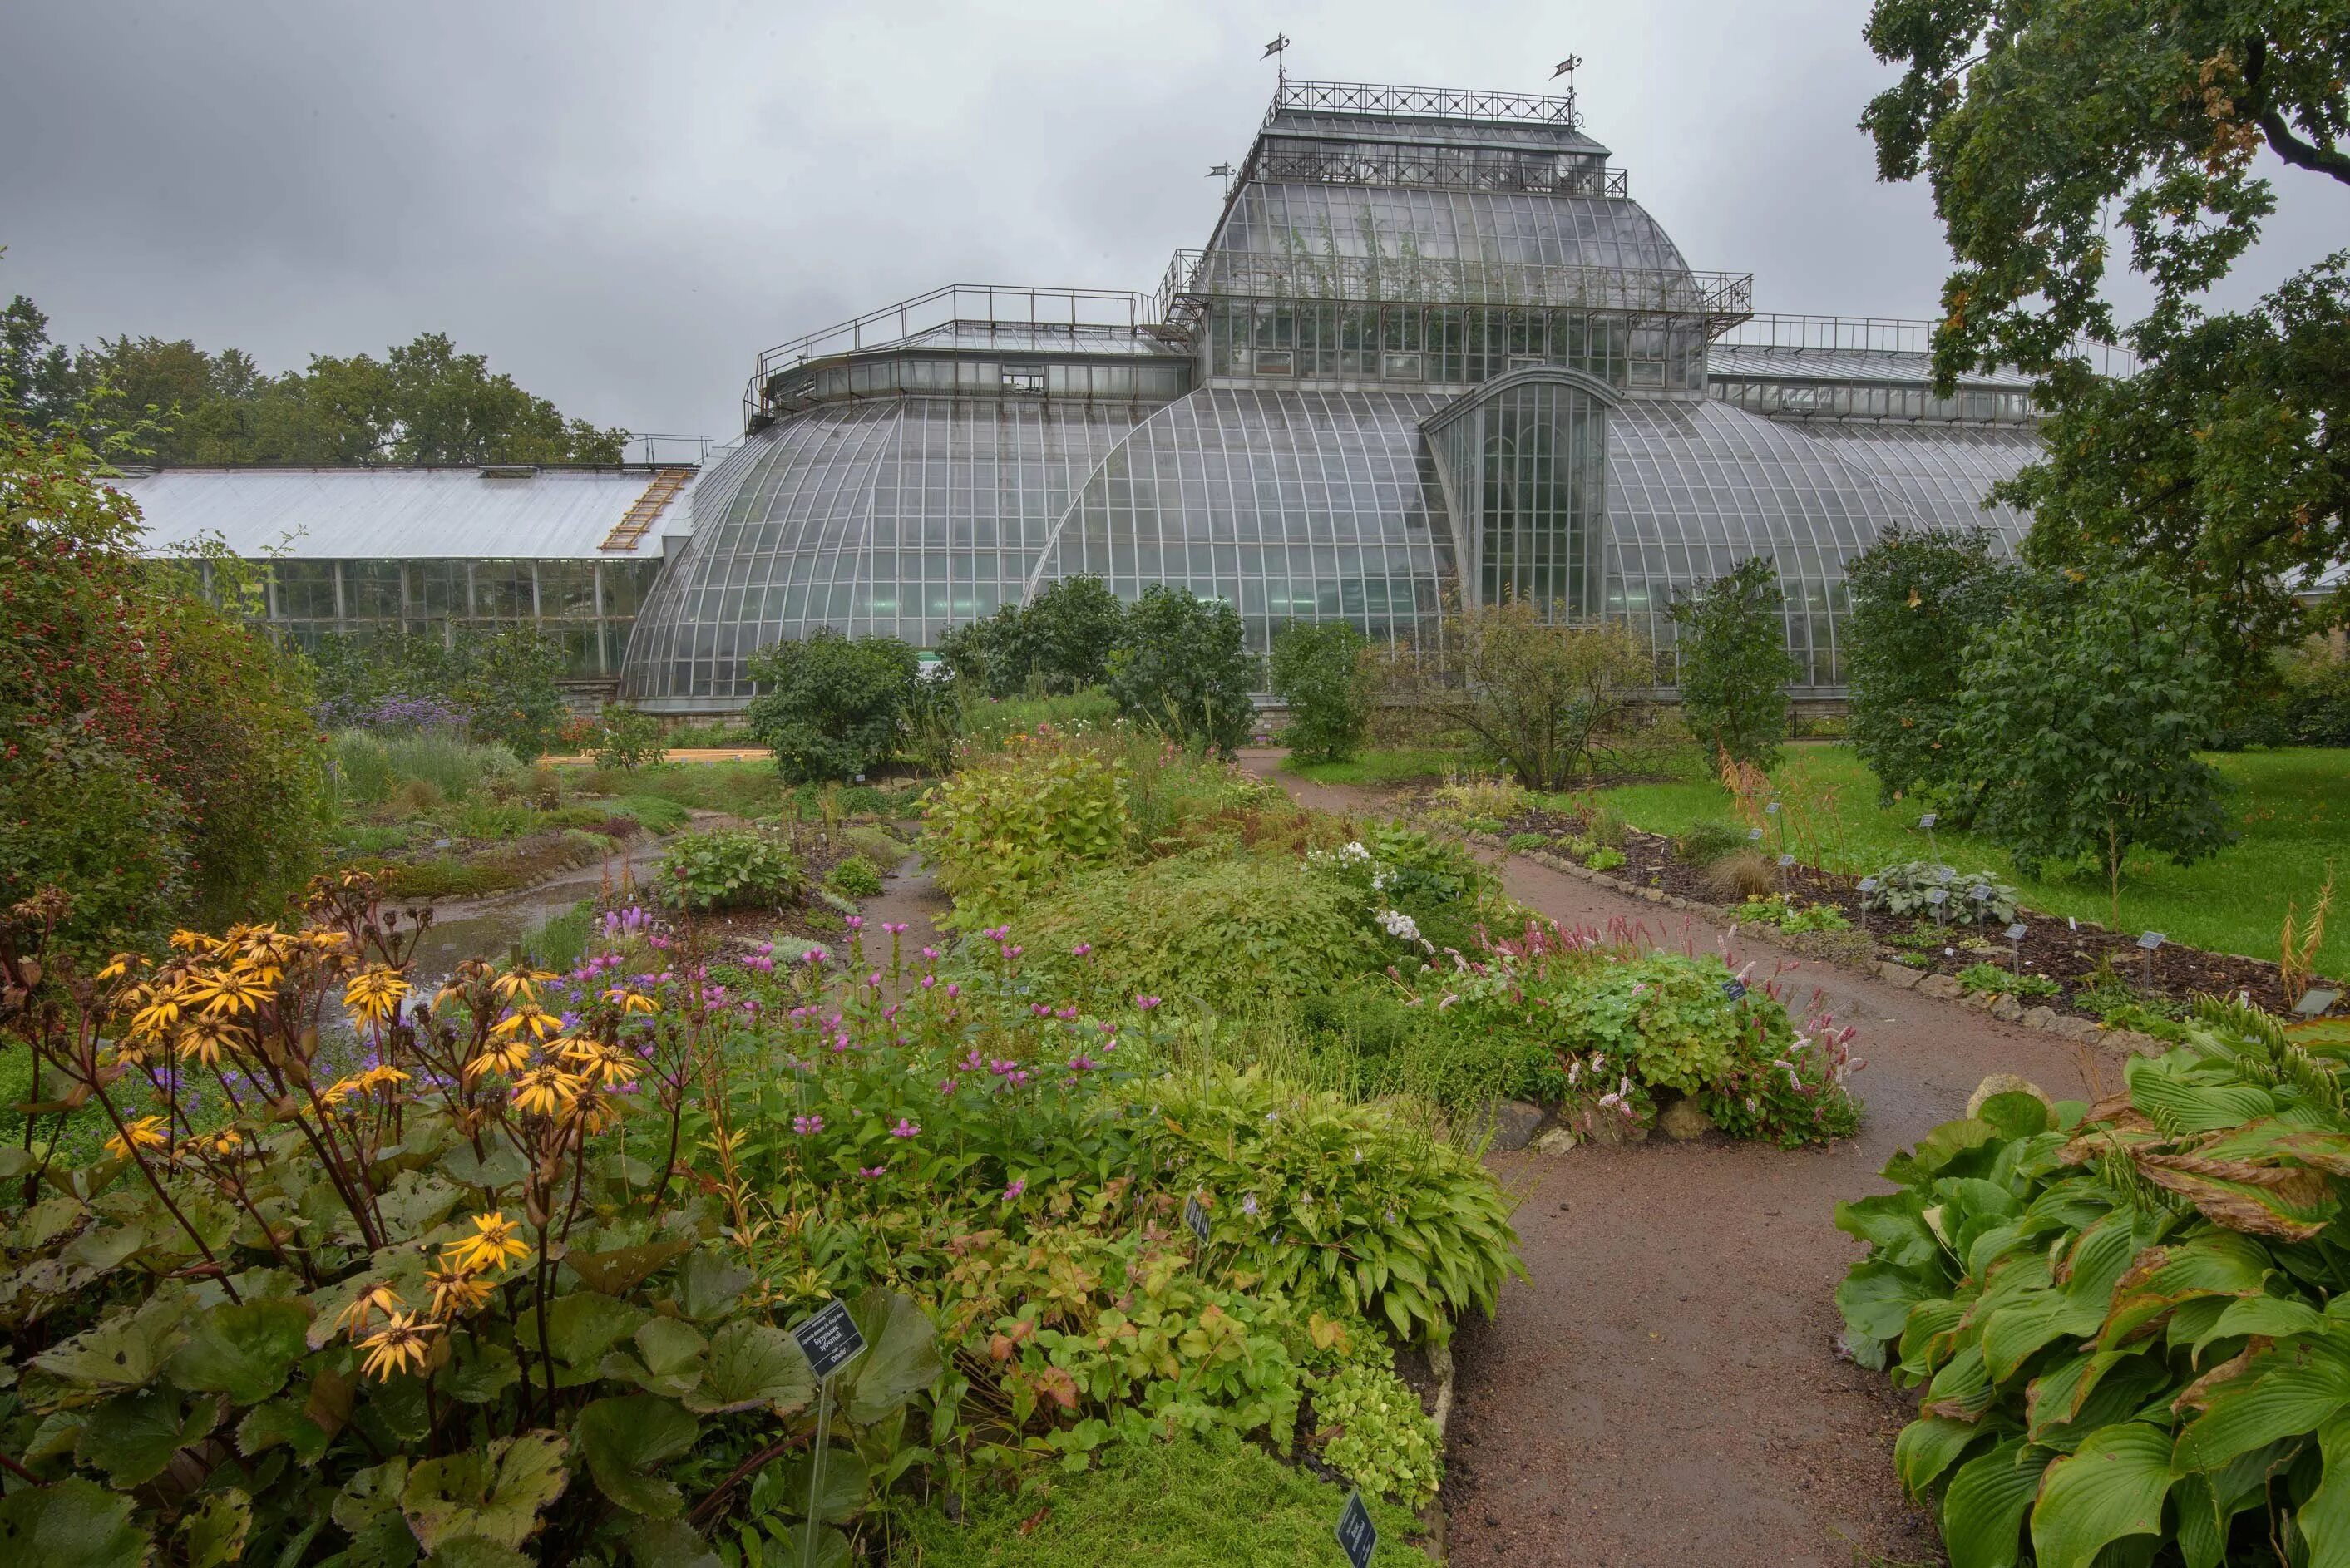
205	1038
523	982
497	1242
156	1017
194	943
147	1132
400	1347
379	1078
528	1015
373	994
119	965
498	1056
544	1091
376	1301
454	1290
627	1001
227	991
594	1058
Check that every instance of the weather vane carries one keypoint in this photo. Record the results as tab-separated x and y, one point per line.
1277	51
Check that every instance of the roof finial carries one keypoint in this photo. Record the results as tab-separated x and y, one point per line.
1278	50
1567	67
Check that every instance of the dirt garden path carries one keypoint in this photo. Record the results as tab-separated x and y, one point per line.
1667	1390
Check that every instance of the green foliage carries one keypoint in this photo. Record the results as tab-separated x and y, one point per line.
654	813
1734	664
1780	910
1911	890
1058	643
1703	842
832	706
1603	858
1319	671
369	769
2103	1311
1342	1206
854	877
1208	1501
499	687
1989	979
1919	595
731	868
1009	825
1541	697
627	739
1386	1443
2040	128
1180	667
2082	715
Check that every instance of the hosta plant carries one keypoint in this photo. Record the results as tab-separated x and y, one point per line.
2127	1322
1937	892
368	1275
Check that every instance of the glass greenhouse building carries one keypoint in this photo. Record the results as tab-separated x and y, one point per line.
1432	352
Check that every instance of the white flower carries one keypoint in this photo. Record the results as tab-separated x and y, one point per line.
1399	925
1354	854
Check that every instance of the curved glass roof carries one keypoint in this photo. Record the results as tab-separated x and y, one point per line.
1515	227
1941	472
1288	504
1694	488
901	515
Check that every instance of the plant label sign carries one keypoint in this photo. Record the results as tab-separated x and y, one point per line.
1869	884
2016	932
2316	999
1772	809
1938	896
1754	835
1786	861
829	1340
1928	821
1735	988
2151	941
1196	1217
1980	894
1357	1536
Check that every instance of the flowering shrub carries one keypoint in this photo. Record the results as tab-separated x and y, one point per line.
366	1262
1380	1438
1010	825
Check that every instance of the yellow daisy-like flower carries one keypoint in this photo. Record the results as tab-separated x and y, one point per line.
194	943
495	1242
545	1091
498	1056
527	1016
401	1345
593	1058
205	1038
379	1078
521	982
229	992
119	965
147	1132
373	995
376	1301
456	1292
627	1001
227	1144
158	1013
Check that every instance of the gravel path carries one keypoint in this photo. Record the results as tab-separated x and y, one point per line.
1668	1391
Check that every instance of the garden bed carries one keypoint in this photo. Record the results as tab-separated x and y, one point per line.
2074	954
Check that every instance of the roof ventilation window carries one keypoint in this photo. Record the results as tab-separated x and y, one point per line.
509	471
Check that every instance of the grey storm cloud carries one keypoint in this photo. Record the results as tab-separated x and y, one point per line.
621	205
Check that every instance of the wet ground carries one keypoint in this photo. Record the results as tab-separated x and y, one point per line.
1667	1390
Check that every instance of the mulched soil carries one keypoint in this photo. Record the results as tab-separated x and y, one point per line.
2074	954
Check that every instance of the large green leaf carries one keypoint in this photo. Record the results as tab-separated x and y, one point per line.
478	1371
368	1509
126	1351
244	1351
501	1166
624	1440
71	1524
623	1269
708	1283
829	1549
1982	1512
753	1365
672	1543
2182	1104
495	1492
669	1358
2013	1334
2283	1394
1938	1149
1876	1297
1928	1447
2111	1487
265	1426
841	1494
476	1551
900	1356
2018	1114
214	1531
132	1438
2325	1518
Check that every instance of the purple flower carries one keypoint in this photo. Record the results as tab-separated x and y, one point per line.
854	922
929	980
871	1171
932	954
906	1129
1248	1206
954	989
813	957
895	927
1081	950
1019	1185
805	1126
1144	1004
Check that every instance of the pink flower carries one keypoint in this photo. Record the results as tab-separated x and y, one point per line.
954	989
895	928
854	922
1019	1185
1144	1004
932	954
870	1171
804	1125
813	957
905	1129
1081	950
929	980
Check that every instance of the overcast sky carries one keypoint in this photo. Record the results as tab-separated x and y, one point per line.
621	205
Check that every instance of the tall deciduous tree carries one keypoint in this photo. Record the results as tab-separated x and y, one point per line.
2082	713
2224	461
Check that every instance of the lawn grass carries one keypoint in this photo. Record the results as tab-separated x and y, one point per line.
1210	1501
2292	807
1382	769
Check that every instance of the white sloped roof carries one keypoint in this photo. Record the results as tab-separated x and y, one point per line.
401	513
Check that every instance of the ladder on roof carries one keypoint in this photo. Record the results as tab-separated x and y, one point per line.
634	523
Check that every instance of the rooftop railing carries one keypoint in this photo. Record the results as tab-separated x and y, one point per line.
1424	103
1440	167
976	307
1880	335
1194	276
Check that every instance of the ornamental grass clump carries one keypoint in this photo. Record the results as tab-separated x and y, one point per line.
369	1267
